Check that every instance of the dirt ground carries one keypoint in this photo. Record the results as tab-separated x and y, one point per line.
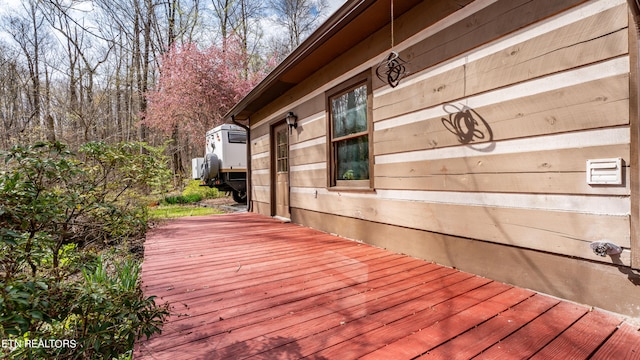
227	200
225	204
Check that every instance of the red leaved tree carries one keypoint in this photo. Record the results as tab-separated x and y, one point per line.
195	89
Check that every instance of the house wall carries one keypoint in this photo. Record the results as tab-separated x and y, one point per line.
547	82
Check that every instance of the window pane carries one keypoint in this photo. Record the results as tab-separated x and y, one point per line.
349	112
238	137
353	159
282	151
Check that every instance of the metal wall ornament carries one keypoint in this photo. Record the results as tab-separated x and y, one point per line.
392	69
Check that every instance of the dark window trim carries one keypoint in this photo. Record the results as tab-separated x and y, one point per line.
333	183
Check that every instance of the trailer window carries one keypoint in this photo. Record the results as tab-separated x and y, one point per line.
237	138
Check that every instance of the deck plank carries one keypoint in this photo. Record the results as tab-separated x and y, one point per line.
413	322
624	344
582	339
321	304
493	330
428	338
249	286
534	336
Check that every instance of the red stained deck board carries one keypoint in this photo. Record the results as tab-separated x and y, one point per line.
535	335
264	261
432	336
220	268
379	314
493	330
582	339
275	252
285	279
325	288
328	297
272	309
624	344
354	306
413	322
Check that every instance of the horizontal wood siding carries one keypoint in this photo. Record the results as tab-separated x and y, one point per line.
562	232
261	171
546	86
592	105
560	171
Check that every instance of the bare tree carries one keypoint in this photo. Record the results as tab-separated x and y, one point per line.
28	32
11	95
299	17
85	67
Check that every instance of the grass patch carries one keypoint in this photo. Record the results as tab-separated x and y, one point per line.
181	199
176	211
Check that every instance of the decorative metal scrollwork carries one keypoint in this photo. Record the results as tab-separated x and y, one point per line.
392	69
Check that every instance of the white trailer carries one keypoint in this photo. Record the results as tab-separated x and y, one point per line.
225	161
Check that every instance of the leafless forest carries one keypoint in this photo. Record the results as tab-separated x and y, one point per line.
80	70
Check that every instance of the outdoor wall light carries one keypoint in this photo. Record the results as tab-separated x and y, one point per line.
291	120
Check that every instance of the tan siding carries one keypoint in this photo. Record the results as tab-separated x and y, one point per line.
309	128
309	155
308	178
262	208
492	22
598	37
437	89
634	109
560	232
261	194
532	75
260	145
539	183
594	104
261	177
260	162
552	171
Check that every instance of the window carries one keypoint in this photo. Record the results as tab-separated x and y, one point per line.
282	149
237	137
350	128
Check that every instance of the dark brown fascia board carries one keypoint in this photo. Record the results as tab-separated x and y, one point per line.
243	109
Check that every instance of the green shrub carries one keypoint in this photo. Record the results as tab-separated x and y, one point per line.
193	187
105	313
53	285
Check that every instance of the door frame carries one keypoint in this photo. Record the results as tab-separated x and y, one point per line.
273	167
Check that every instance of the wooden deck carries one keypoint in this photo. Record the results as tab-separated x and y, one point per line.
245	285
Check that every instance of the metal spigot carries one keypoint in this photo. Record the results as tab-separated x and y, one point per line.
604	248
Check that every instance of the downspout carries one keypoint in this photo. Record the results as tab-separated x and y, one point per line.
634	46
248	145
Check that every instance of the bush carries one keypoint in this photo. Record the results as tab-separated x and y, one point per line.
53	285
193	188
106	312
181	199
